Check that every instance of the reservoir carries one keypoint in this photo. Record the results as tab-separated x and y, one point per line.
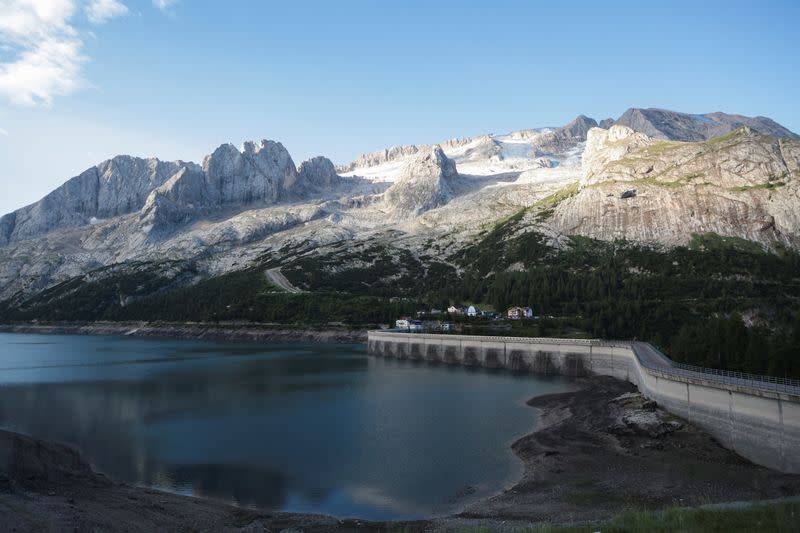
312	428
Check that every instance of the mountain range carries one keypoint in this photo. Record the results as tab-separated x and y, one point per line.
652	176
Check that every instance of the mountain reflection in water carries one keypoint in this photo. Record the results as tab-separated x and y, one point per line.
307	428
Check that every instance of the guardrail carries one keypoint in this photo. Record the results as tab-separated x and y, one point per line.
669	367
729	377
742	378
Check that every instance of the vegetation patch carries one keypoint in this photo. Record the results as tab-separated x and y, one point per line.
715	242
776	517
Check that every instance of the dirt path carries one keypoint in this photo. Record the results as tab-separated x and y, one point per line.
275	277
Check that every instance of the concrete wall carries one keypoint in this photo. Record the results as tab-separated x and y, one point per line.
760	424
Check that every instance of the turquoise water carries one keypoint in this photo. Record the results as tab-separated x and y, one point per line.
316	428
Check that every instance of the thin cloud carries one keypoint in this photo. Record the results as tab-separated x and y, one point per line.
24	21
101	11
163	5
42	50
51	68
3	131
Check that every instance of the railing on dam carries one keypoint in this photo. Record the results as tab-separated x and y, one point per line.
648	357
729	377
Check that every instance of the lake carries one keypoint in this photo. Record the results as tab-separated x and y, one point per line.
312	428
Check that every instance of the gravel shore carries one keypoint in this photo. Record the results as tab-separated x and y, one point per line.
237	332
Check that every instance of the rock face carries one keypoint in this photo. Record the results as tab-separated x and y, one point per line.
115	187
670	125
182	197
483	148
258	174
425	184
564	138
606	123
742	185
261	174
316	175
604	146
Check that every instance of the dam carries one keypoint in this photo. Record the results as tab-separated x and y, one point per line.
756	416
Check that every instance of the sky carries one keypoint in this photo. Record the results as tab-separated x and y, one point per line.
84	80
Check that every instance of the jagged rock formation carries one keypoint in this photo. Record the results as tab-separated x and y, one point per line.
670	125
112	188
180	198
316	175
604	146
564	138
167	193
483	148
399	152
259	173
426	183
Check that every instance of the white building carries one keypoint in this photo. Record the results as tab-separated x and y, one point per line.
412	326
473	311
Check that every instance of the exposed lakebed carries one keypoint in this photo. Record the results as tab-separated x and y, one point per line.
311	428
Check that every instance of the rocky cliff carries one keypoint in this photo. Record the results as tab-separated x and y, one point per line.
115	187
426	183
742	184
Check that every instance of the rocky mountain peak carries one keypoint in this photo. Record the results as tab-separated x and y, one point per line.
603	146
671	125
115	187
426	183
565	138
319	173
606	123
579	127
258	173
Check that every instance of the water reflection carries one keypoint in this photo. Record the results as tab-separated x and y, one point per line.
309	428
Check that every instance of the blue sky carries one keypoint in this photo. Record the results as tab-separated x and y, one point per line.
83	80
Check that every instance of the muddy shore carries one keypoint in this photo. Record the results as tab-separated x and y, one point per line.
222	331
597	451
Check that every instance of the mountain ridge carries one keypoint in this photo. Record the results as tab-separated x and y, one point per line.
241	204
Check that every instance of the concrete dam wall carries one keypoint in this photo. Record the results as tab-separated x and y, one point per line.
757	417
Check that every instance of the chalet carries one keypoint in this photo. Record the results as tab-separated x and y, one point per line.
517	313
457	310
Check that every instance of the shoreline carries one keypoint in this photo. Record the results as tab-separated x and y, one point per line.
604	448
199	331
595	452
